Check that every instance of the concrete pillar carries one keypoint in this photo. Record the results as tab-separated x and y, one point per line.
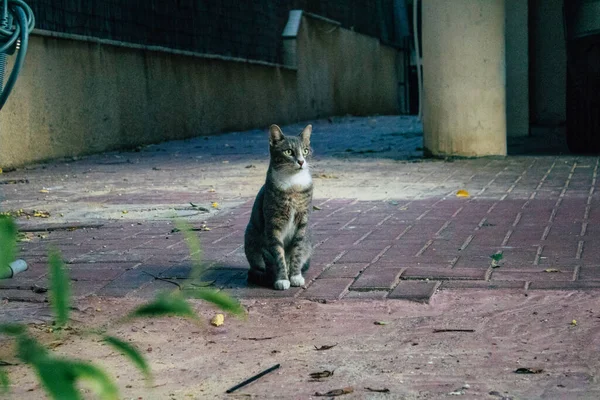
517	68
464	102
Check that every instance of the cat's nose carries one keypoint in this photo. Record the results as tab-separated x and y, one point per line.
301	162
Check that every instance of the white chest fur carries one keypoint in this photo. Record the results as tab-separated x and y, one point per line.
299	180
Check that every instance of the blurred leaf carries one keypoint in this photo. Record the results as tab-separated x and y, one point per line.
221	300
12	329
60	377
4	382
194	248
60	291
8	242
171	304
30	350
381	322
130	352
462	193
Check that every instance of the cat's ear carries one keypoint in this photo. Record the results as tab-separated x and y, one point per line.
305	135
275	134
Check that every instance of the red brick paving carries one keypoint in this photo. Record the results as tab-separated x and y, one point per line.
541	212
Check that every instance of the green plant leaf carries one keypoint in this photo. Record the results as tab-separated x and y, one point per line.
12	329
194	248
221	300
165	304
30	350
60	376
497	256
130	352
4	382
60	290
8	243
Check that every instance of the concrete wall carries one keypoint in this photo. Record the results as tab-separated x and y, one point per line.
549	62
517	68
77	97
464	102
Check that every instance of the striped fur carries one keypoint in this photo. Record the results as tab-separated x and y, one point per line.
277	240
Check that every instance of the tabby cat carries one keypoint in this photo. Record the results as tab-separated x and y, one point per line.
277	240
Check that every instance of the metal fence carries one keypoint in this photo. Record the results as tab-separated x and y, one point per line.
245	29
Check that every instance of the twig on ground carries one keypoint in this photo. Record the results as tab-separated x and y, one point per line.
252	379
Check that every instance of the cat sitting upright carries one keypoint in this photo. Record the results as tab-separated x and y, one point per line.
277	240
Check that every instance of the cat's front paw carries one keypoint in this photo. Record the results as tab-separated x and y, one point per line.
296	280
282	284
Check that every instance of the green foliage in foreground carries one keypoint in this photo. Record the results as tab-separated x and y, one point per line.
60	376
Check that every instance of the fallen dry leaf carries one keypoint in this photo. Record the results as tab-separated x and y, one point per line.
215	205
336	392
217	320
381	322
316	208
125	211
552	270
574	322
41	214
528	371
321	374
462	193
384	390
325	347
44	191
211	190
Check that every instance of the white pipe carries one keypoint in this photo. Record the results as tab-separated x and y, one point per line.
14	268
418	56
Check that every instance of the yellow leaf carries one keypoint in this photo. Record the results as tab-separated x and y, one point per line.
44	191
552	270
217	320
462	193
215	205
1	170
574	322
212	190
124	211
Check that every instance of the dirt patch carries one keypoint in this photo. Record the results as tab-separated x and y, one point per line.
378	345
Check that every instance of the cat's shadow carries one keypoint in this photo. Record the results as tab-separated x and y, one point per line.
224	276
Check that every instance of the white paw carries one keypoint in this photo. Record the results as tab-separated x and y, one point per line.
297	280
282	284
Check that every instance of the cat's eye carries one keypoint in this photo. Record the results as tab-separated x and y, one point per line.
288	152
305	151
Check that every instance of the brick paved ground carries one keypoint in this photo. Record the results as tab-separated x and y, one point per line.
388	225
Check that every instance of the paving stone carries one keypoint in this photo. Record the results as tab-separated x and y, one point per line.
419	291
377	279
369	295
561	285
469	284
565	275
327	289
437	273
343	270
